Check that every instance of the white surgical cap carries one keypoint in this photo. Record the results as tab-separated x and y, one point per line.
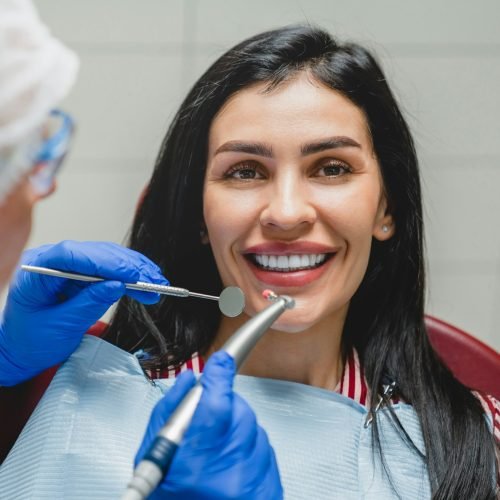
36	73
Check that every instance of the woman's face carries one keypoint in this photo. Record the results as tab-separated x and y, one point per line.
292	198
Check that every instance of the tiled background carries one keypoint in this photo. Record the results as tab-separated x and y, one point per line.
443	59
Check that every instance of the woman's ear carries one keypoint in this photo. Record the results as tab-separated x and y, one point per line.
384	225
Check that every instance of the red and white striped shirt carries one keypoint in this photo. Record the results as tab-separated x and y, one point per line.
352	384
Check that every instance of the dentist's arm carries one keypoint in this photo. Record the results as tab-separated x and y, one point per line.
45	318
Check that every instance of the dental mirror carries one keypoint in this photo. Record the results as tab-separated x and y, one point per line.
231	301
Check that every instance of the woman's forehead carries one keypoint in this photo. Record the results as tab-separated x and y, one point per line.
301	107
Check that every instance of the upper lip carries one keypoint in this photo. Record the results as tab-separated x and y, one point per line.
292	248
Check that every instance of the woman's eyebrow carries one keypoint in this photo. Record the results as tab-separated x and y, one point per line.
254	148
329	143
262	149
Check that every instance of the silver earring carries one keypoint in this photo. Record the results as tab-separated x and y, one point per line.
385	228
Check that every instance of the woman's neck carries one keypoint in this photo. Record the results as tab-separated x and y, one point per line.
311	357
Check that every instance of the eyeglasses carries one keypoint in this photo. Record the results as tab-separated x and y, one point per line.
47	156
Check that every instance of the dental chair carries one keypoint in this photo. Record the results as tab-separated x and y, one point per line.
474	363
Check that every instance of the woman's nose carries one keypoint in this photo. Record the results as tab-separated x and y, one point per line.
288	206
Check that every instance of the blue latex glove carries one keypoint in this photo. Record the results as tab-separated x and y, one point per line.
45	318
225	453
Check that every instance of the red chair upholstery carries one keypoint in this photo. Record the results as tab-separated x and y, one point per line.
475	364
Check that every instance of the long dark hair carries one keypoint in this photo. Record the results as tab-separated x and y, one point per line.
385	320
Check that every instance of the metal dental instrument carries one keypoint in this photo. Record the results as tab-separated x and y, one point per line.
155	464
231	301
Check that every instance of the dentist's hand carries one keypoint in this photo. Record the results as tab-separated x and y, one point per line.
225	453
45	317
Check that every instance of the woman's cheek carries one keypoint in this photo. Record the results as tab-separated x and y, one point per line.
230	212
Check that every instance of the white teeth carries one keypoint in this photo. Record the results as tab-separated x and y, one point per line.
289	262
282	262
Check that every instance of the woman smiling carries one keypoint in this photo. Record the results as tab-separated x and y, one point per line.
290	166
306	198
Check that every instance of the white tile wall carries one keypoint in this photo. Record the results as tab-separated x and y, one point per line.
462	210
384	21
126	25
443	59
92	205
452	103
467	296
123	103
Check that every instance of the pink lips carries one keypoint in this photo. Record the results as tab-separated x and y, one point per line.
289	279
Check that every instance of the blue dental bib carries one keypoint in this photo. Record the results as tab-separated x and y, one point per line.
81	440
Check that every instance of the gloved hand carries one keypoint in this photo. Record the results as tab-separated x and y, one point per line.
225	453
45	317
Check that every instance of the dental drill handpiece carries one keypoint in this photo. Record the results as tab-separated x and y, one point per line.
155	464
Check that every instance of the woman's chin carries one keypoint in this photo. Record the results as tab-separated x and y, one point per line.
290	323
305	315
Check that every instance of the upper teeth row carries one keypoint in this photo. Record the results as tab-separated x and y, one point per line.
290	261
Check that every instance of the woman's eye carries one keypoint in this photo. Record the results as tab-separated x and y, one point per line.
334	170
244	172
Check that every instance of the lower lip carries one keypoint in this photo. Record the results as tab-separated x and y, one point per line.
289	279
